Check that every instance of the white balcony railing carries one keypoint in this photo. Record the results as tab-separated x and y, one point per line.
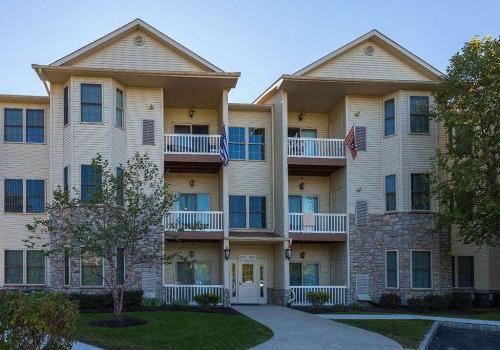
178	292
336	294
317	223
192	144
193	221
315	147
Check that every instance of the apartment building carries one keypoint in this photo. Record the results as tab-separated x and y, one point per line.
292	212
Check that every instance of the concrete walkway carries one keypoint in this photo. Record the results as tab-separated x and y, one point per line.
294	329
406	317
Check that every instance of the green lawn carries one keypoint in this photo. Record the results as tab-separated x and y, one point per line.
176	330
408	333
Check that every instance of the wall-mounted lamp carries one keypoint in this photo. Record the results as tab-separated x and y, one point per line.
302	254
357	114
302	186
227	253
191	253
191	183
358	189
191	113
151	107
288	253
301	116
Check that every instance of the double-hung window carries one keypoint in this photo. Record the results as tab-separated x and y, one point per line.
24	267
119	109
35	267
66	179
66	105
35	125
463	271
13	267
421	274
390	193
35	196
304	274
237	212
419	114
389	117
257	212
256	144
91	100
420	192
13	202
91	271
13	125
255	216
236	143
90	182
119	186
391	269
193	273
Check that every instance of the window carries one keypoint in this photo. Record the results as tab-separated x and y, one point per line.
13	267
390	193
13	195
257	212
236	143
391	269
194	273
421	269
237	212
35	125
461	140
463	271
35	196
119	109
119	186
256	144
389	117
420	192
91	271
66	179
13	125
90	182
120	266
304	274
35	267
67	270
91	96
66	105
148	132
419	114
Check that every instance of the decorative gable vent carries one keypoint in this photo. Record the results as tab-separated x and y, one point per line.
361	212
139	40
369	50
362	287
148	132
360	133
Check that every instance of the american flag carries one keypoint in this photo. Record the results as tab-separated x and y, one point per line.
224	155
350	142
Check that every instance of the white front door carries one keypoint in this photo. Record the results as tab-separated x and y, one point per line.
248	286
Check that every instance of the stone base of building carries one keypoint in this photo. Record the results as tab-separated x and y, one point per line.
279	296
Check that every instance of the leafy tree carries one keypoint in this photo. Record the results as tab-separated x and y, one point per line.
468	106
122	215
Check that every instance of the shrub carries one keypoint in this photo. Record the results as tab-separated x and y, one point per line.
317	298
428	303
460	301
151	302
132	298
105	301
180	304
36	321
416	304
390	301
207	299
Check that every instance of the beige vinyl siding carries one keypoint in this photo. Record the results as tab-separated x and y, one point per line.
180	116
152	55
21	161
338	184
337	120
316	186
203	252
364	172
417	149
261	252
203	183
316	121
494	268
355	64
253	178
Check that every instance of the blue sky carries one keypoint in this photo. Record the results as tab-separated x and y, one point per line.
260	39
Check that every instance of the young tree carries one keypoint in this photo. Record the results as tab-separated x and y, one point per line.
121	216
468	106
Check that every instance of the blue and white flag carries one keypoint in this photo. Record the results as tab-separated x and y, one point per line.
224	154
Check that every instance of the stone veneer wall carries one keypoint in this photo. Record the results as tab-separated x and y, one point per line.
403	232
279	296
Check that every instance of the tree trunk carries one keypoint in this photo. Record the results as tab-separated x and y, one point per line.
117	302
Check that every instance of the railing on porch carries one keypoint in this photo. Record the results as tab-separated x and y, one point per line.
193	221
299	294
315	147
185	292
192	144
318	223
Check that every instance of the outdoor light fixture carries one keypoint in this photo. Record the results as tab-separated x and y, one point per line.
191	182
191	253
227	253
302	186
288	253
301	116
151	107
302	254
191	113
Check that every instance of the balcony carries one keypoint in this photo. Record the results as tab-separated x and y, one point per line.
315	156
192	153
194	225
307	223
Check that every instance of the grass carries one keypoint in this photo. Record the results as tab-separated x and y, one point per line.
408	333
175	330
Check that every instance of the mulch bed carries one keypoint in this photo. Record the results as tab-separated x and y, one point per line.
119	322
204	309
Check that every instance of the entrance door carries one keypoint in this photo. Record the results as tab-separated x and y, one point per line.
248	284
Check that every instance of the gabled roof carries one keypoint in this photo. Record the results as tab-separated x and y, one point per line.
120	32
385	42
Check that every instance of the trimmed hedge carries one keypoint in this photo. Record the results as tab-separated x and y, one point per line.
105	301
432	302
390	301
317	298
206	299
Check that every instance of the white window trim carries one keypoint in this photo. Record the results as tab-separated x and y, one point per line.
396	193
411	269
247	143
176	275
396	108
302	263
409	115
102	103
69	105
455	258
397	269
25	198
247	213
422	172
95	286
25	269
123	108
